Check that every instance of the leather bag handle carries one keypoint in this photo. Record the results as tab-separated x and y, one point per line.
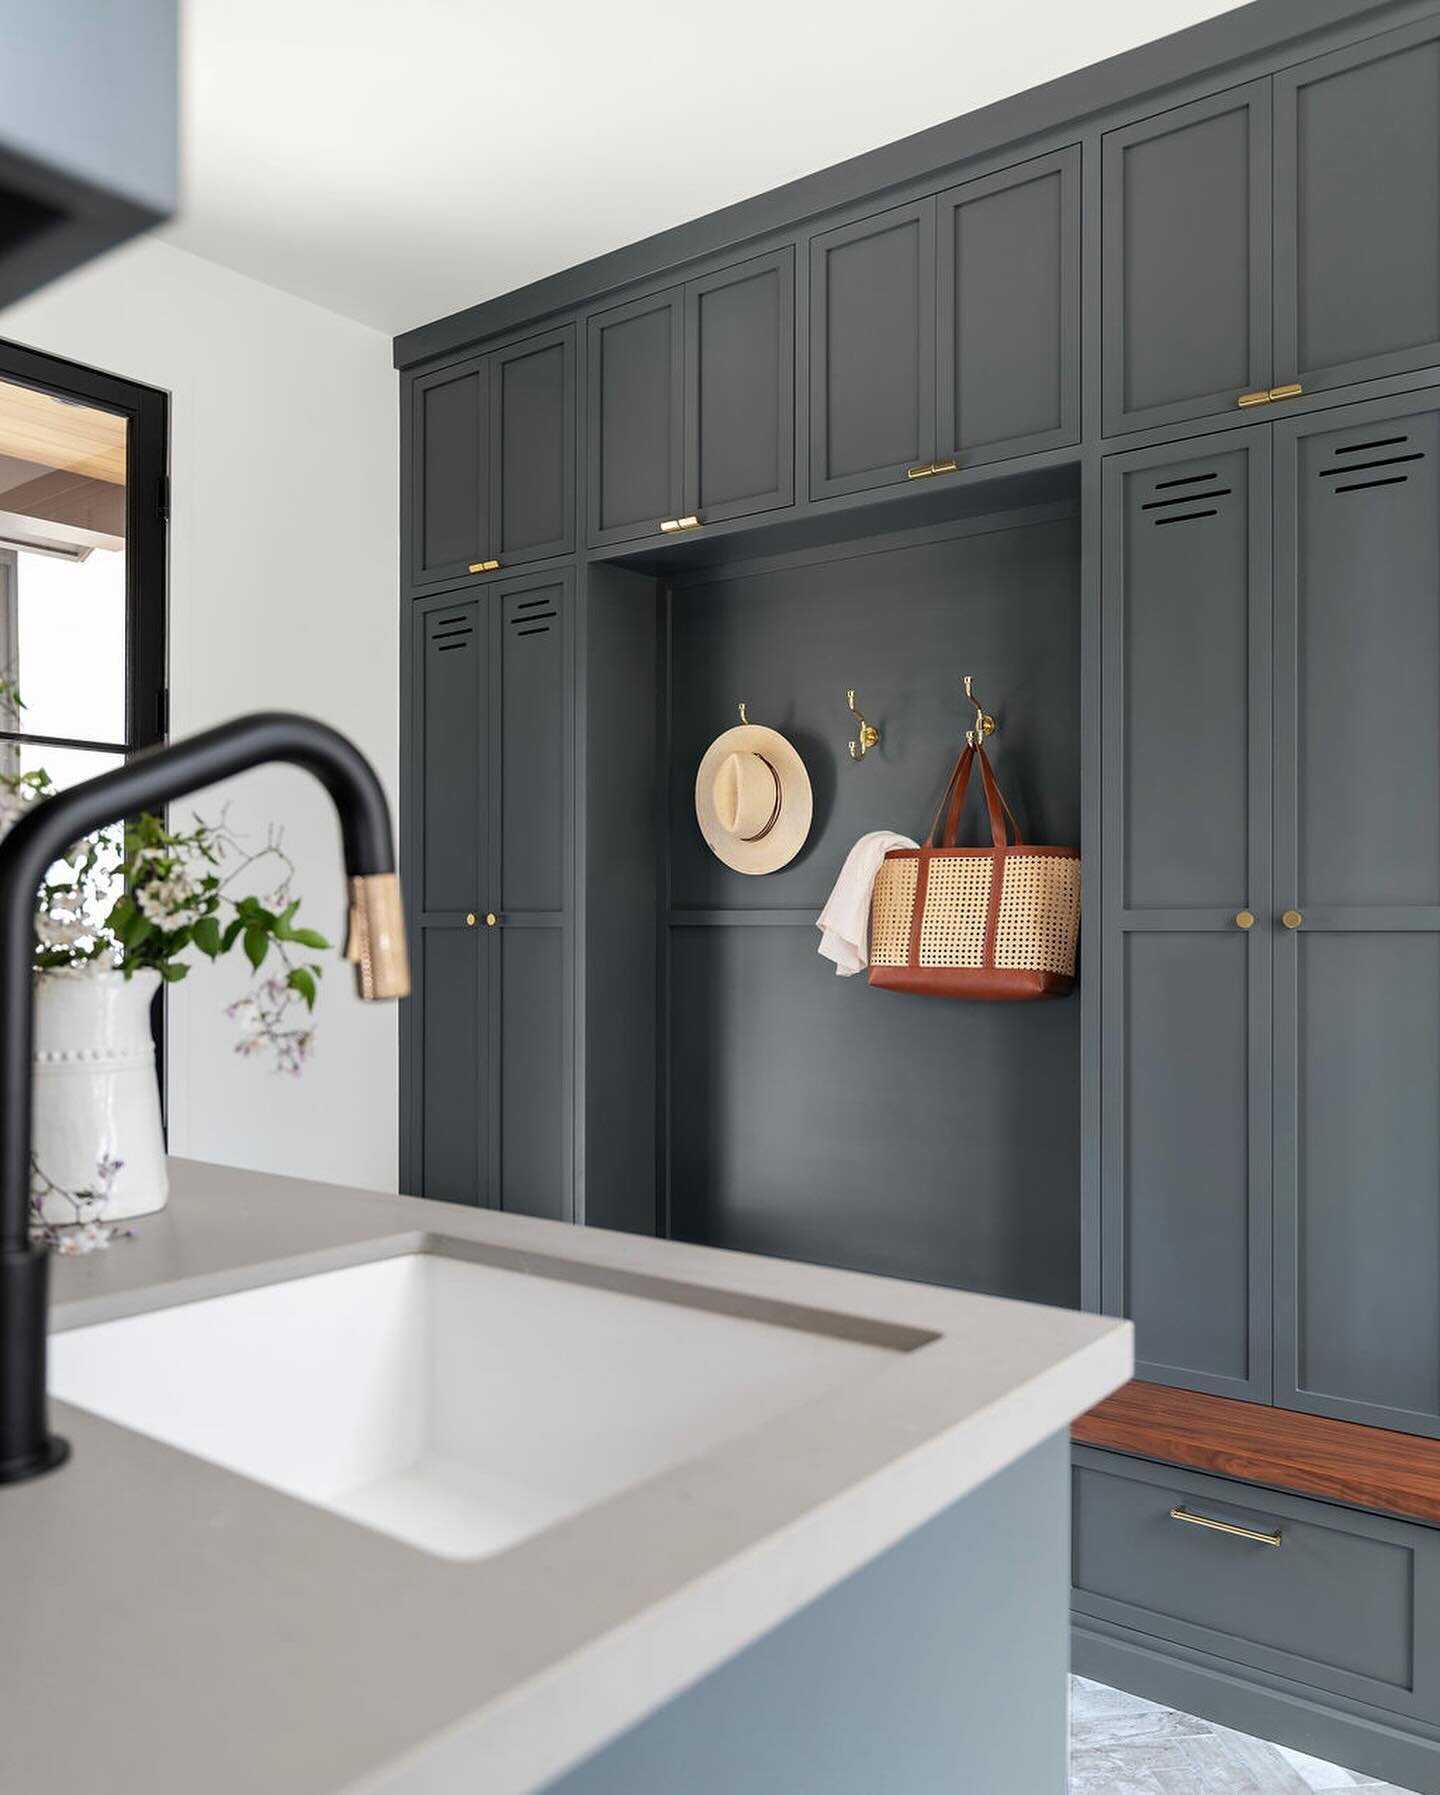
952	804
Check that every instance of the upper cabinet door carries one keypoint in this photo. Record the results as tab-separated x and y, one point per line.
1009	312
740	389
532	448
449	472
872	350
1357	204
636	417
1186	260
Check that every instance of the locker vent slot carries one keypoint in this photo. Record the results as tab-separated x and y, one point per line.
1362	485
1343	471
529	604
1185	517
446	627
1183	480
1184	498
444	647
539	629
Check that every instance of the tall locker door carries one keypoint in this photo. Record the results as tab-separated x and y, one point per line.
445	1106
1185	263
1357	211
872	351
1186	898
531	1017
1357	879
449	458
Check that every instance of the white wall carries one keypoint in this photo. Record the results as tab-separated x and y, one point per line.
283	555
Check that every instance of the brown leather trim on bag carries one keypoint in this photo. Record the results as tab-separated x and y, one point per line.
917	913
986	984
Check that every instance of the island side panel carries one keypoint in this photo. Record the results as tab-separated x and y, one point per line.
940	1666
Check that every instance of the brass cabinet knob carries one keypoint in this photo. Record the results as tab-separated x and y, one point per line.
469	919
1292	919
491	919
1244	919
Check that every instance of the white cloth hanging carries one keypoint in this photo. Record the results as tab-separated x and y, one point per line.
844	923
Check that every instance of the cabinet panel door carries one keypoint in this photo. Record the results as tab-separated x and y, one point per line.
636	417
531	1017
447	836
1186	260
1185	838
740	389
872	350
1357	211
532	455
449	472
1008	317
1357	990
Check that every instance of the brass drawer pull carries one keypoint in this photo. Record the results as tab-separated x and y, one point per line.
484	567
1267	395
945	467
1292	391
1253	1534
922	472
1260	398
687	523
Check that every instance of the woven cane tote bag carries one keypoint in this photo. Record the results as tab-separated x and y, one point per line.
996	923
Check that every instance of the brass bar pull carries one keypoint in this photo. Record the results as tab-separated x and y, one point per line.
1261	398
945	467
484	567
687	523
1244	919
1253	1534
1292	919
922	472
1293	391
669	526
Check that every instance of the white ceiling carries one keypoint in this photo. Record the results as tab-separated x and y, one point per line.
396	160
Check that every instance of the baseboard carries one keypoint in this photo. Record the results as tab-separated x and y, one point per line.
1365	1742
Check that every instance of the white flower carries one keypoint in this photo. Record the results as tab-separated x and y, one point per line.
169	903
59	931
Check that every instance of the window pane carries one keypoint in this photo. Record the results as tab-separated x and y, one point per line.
62	564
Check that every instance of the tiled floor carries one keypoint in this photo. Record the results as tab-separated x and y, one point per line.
1121	1745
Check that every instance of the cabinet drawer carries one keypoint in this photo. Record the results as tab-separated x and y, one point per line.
1345	1602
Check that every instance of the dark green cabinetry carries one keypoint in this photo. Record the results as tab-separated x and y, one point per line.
691	402
492	461
946	333
1272	915
488	1054
1283	233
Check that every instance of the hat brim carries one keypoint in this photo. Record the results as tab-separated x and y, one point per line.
779	845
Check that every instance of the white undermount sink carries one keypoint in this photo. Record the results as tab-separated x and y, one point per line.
454	1404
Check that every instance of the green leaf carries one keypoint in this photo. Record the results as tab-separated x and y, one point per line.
309	938
207	937
300	980
257	945
137	930
172	971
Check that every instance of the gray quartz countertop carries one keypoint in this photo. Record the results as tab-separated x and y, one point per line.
172	1627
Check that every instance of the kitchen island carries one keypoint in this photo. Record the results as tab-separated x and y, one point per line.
849	1575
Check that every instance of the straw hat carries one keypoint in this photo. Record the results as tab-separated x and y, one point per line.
752	799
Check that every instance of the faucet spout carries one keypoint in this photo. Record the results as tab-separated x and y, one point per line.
376	945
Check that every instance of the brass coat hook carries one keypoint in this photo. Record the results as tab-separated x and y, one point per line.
743	717
984	723
866	736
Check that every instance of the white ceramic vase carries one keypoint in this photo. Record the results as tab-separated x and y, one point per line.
96	1099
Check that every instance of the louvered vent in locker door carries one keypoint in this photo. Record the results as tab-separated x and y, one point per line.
1184	499
450	632
530	616
1377	461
